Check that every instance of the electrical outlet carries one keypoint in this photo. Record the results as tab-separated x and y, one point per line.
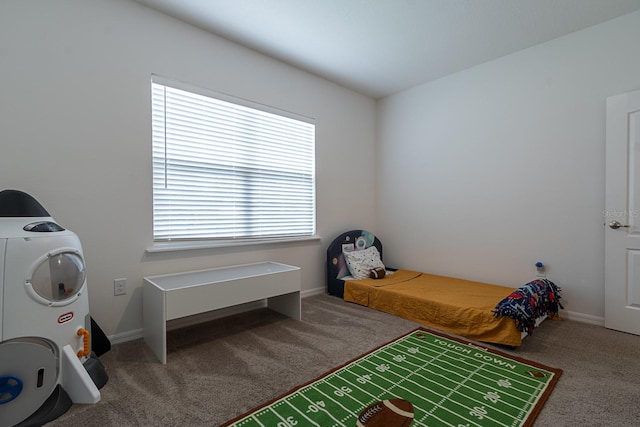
120	287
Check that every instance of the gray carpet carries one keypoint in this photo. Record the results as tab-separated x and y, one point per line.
220	369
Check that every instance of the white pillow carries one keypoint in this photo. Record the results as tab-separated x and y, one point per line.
360	263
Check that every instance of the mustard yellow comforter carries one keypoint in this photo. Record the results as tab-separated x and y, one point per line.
457	306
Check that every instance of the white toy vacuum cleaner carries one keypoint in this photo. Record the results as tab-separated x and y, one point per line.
46	358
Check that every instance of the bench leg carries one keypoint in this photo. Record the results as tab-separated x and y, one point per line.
287	304
154	320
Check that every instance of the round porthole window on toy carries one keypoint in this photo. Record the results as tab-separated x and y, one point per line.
58	277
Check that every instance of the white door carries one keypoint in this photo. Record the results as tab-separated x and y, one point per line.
622	214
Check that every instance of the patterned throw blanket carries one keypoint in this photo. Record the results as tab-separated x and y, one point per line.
527	303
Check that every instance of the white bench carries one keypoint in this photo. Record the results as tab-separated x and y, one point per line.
173	296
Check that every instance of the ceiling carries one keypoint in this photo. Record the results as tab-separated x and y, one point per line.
380	47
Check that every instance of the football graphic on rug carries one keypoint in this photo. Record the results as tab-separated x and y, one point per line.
387	413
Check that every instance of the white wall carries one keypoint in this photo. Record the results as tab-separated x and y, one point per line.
482	173
76	134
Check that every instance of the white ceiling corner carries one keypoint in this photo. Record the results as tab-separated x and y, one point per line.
380	47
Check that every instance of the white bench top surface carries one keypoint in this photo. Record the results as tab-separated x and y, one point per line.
168	282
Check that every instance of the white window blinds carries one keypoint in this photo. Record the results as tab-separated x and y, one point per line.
227	170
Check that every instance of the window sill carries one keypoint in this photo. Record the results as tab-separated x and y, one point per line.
188	246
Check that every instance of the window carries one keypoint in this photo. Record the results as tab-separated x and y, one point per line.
225	168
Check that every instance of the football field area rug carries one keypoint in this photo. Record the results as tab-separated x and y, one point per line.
420	379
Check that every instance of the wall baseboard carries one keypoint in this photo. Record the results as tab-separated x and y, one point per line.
583	318
191	320
205	317
217	314
314	291
126	336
